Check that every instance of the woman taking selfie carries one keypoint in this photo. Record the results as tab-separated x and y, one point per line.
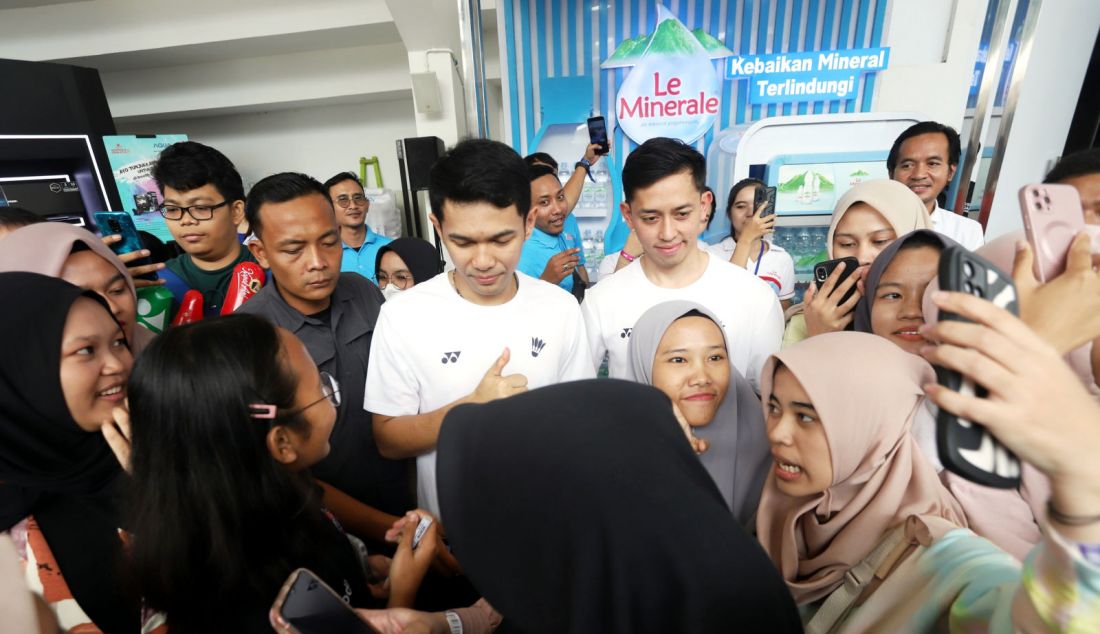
856	518
749	245
227	416
679	348
866	219
63	371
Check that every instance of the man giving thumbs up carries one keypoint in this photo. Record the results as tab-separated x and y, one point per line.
475	334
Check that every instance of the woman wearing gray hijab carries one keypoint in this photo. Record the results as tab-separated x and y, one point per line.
680	348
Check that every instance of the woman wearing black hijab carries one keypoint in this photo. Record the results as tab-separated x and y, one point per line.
404	263
581	507
64	367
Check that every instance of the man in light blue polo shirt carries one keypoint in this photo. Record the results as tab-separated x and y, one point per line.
361	245
554	250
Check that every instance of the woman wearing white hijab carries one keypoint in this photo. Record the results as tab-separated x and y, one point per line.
679	348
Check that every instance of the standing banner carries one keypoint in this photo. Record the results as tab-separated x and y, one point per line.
132	158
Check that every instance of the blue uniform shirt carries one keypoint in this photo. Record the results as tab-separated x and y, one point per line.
362	261
542	246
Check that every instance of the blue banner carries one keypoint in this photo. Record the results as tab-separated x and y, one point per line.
810	76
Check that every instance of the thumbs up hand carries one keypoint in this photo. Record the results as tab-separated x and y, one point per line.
495	385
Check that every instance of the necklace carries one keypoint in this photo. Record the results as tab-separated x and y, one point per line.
454	284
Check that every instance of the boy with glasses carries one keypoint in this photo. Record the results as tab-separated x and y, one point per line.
360	243
203	204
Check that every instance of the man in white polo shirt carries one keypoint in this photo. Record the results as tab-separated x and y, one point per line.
924	158
482	331
664	197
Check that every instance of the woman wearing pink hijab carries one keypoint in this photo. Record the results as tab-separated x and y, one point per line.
861	528
80	258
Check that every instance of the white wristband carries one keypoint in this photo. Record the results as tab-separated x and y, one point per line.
454	622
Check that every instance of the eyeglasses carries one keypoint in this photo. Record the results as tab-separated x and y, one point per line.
401	280
330	391
344	201
198	212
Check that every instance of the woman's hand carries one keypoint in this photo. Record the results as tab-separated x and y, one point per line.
822	308
137	271
409	566
1066	310
1036	405
699	445
117	434
757	227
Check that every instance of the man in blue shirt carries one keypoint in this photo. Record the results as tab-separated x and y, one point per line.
361	245
554	250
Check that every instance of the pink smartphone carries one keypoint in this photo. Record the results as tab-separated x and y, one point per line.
1052	219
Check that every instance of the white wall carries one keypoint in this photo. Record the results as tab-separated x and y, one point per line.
1064	37
319	141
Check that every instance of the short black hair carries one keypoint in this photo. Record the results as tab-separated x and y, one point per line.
480	170
535	172
189	165
659	158
919	239
1080	163
954	144
540	157
279	188
13	218
713	204
341	177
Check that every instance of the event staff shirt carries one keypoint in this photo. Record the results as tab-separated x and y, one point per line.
961	229
776	267
362	260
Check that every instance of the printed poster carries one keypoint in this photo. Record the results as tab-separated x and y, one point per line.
132	159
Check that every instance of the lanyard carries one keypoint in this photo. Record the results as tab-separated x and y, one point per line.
759	256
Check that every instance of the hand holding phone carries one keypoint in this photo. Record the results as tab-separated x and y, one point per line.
1052	218
764	196
597	133
830	303
307	605
965	447
1038	407
118	223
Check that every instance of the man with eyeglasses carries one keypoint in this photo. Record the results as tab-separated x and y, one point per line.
203	204
360	243
333	314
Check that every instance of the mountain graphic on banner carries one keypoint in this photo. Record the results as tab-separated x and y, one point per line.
671	38
807	177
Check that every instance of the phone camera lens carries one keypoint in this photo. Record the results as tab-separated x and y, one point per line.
968	269
968	287
821	275
978	292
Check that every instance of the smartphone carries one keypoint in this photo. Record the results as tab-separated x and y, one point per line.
822	271
120	223
965	447
309	606
421	529
764	195
1052	219
597	133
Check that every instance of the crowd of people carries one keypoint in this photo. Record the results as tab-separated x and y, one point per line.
749	463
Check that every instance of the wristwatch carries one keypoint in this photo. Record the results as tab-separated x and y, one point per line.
587	168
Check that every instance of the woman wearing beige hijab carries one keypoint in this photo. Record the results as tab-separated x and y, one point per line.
80	258
866	220
859	524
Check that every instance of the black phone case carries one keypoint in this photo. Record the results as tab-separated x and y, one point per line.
965	447
761	195
597	133
822	270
